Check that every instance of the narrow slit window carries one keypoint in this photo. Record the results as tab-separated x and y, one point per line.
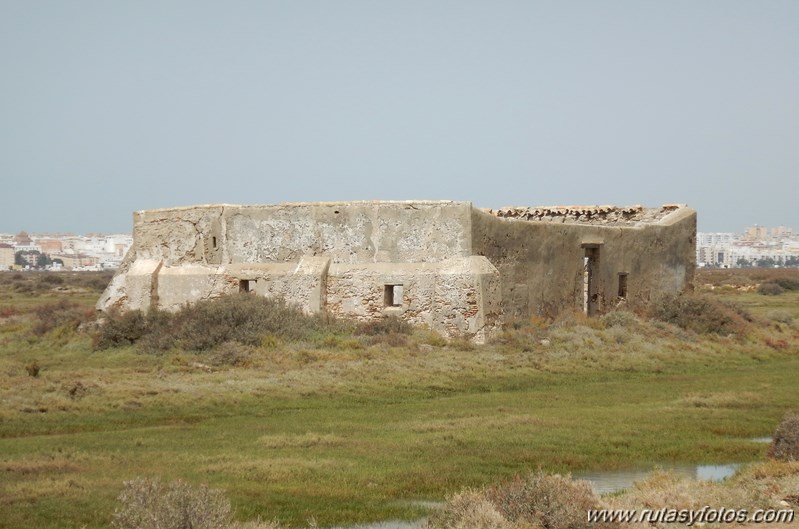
392	295
213	241
623	285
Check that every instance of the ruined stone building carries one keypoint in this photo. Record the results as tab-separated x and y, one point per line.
458	269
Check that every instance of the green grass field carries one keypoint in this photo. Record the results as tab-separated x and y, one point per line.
346	431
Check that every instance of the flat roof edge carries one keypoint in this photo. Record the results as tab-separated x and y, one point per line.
307	204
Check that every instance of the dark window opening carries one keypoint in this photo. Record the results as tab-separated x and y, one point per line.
213	242
392	295
623	285
246	285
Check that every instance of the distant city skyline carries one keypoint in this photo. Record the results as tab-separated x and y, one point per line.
110	108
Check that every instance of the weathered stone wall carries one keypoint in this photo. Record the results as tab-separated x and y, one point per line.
457	297
345	232
541	263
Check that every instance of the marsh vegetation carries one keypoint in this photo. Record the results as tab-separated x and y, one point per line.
327	420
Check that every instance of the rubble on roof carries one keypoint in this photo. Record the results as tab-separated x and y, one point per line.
603	214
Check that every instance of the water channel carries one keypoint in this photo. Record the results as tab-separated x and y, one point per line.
603	482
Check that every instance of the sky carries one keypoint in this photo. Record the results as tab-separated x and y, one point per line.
109	107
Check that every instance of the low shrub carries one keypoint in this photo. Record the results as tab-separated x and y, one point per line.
770	288
785	442
701	314
522	335
620	318
33	369
568	319
516	340
52	279
231	354
387	325
151	504
120	329
468	510
96	281
781	316
242	318
541	500
25	288
787	283
545	500
62	313
239	318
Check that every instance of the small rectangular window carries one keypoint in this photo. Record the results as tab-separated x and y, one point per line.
213	240
623	285
392	296
246	285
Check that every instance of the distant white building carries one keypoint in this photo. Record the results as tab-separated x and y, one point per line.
757	244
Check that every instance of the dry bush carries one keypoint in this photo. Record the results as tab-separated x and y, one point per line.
51	278
770	288
545	500
62	313
785	442
96	281
568	319
241	318
245	319
232	354
779	284
781	316
151	504
387	325
33	368
120	329
787	283
522	335
669	490
620	318
702	314
461	343
468	510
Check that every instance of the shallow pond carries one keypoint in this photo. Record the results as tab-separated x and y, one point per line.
608	481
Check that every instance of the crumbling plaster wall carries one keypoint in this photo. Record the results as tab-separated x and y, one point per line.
354	232
541	263
345	232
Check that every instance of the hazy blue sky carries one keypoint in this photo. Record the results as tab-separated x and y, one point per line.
107	107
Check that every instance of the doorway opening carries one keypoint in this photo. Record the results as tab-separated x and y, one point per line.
590	270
